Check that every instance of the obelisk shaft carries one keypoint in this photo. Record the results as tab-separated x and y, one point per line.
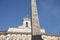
35	19
36	35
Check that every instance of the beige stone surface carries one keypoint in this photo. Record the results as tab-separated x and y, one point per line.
1	38
35	19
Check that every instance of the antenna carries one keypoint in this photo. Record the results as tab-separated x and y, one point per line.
27	16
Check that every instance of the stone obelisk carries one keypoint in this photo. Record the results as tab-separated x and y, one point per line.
35	22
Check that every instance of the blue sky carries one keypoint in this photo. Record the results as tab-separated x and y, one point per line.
13	11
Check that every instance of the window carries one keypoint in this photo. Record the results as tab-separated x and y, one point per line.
26	24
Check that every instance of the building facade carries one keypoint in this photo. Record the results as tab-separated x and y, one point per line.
21	33
24	33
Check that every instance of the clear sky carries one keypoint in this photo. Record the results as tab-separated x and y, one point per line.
13	11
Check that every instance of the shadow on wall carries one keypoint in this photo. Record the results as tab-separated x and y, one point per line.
36	37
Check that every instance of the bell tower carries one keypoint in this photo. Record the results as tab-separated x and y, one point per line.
35	22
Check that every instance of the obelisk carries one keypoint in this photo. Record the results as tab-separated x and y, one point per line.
35	22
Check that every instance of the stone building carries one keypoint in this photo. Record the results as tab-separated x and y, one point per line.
30	30
21	33
24	33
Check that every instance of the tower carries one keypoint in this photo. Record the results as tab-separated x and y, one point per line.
35	22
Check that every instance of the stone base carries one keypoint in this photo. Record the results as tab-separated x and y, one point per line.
36	37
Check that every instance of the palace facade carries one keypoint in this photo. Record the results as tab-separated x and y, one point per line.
21	33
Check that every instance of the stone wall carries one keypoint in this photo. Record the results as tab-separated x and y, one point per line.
50	37
15	37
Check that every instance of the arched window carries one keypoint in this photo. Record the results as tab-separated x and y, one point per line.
26	24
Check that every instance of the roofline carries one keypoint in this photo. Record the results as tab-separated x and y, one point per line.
57	35
5	33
